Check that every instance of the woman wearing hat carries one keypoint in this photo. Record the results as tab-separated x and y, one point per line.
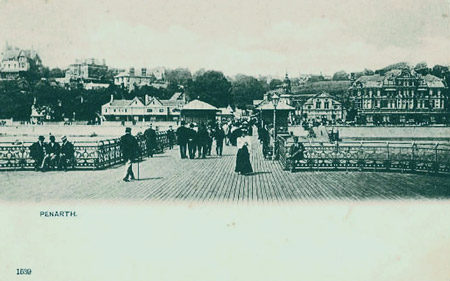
243	165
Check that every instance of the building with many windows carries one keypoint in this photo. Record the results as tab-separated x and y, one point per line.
144	109
140	77
17	61
399	97
88	70
323	107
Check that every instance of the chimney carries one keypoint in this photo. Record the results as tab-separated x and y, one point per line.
112	98
144	71
146	99
131	71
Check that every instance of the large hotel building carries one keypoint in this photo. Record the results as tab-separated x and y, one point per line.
399	97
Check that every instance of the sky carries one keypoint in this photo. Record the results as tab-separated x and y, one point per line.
254	37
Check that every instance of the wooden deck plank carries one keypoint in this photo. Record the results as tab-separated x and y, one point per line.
166	177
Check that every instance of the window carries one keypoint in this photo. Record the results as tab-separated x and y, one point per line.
149	110
161	110
326	105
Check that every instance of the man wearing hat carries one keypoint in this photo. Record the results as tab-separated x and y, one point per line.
66	153
183	139
150	137
130	150
37	152
52	150
296	152
192	141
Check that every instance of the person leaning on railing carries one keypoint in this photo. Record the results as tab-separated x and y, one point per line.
296	152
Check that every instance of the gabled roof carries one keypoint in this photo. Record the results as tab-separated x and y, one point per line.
198	105
322	95
136	102
155	101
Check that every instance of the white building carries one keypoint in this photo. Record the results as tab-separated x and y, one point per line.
144	109
140	77
16	61
323	106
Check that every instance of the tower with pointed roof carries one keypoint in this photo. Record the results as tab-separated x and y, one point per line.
287	84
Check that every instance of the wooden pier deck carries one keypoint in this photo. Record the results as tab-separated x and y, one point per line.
166	177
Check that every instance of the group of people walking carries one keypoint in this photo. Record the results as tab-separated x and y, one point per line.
52	155
197	141
194	142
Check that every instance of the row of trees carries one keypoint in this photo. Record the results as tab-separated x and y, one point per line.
16	97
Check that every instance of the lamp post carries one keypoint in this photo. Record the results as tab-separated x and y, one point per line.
275	100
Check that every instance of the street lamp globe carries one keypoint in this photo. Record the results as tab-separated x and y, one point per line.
275	100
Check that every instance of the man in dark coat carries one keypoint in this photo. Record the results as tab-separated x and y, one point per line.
130	150
265	140
67	153
192	141
171	137
150	137
296	152
202	141
219	135
183	139
37	152
51	158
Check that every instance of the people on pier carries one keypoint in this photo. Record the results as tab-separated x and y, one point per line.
183	139
130	151
296	152
51	159
37	152
219	136
243	165
192	141
264	138
67	154
171	137
150	137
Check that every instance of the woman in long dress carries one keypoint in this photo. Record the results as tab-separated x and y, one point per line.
243	165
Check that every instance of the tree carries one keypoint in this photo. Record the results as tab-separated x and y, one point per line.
56	73
439	71
275	83
340	76
245	89
179	76
211	87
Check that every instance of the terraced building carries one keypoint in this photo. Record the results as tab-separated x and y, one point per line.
400	97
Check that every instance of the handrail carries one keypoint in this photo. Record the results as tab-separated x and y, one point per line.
95	155
366	155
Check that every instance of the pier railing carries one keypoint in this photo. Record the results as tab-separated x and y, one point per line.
88	154
412	157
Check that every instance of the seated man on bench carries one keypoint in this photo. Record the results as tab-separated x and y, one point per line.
296	152
66	154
